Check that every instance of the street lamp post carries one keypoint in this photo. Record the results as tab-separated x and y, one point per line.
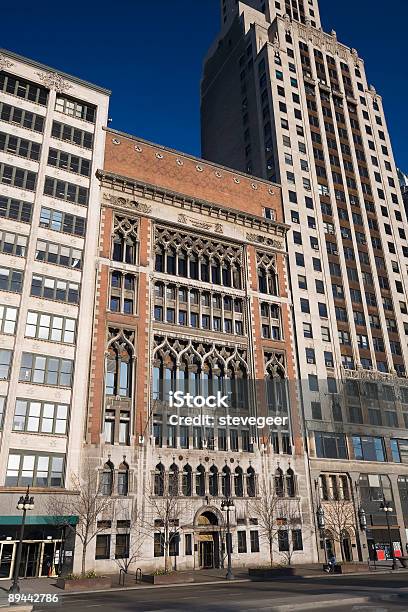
227	505
24	504
387	507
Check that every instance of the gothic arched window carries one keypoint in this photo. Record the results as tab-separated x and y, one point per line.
187	481
279	483
251	482
125	240
173	480
226	481
123	479
106	483
119	363
290	483
159	480
213	481
239	482
200	481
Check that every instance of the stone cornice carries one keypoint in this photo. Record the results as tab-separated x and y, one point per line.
128	190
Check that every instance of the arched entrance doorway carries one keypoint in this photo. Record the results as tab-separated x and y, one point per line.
208	539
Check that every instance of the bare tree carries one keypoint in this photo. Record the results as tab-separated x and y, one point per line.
339	520
162	512
265	507
134	536
86	504
289	519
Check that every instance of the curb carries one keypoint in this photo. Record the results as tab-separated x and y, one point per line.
330	603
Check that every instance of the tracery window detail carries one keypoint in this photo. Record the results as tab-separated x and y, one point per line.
267	273
197	257
125	240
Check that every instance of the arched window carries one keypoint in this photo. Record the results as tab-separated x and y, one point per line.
123	479
173	480
125	240
200	481
213	481
106	483
267	274
239	482
290	483
251	483
187	481
159	480
226	481
279	484
119	363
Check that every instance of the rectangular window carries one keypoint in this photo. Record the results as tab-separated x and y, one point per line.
15	209
53	289
254	537
5	363
22	88
59	221
58	254
68	133
27	468
17	177
40	417
46	370
75	108
50	327
102	549
65	191
242	543
22	118
8	319
368	448
122	546
188	544
330	445
19	146
69	162
158	545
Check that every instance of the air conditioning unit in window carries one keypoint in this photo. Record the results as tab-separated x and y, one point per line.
310	360
141	439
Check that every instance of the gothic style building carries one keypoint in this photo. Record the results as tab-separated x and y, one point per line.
192	289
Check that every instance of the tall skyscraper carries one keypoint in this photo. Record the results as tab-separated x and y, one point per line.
51	144
286	101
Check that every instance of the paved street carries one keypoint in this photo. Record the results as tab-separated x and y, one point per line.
250	596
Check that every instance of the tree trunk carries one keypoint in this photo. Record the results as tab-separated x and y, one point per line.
83	564
271	551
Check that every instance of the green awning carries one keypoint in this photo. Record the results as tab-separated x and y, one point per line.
57	521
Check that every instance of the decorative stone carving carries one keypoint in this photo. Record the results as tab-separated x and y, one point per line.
55	81
4	62
259	239
197	223
126	202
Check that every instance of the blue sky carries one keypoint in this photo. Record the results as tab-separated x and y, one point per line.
150	55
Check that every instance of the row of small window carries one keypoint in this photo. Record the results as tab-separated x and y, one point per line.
103	546
49	218
174	543
41	286
39	325
17	86
38	369
58	254
387	418
21	117
365	448
207	271
38	416
56	158
206	322
199	438
31	469
25	179
195	297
